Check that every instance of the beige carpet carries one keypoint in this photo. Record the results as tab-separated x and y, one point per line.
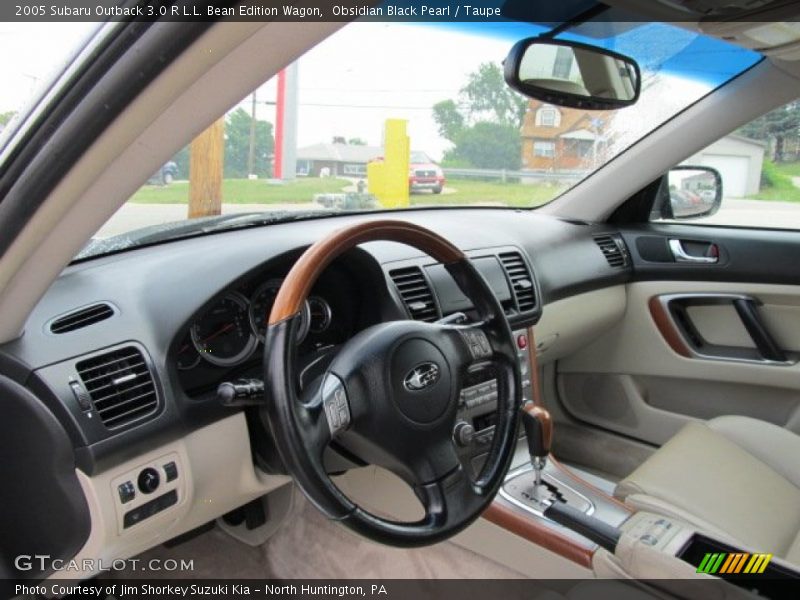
308	545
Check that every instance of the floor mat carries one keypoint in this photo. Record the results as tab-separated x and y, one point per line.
310	546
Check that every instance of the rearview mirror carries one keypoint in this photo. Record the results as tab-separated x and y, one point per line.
572	74
689	192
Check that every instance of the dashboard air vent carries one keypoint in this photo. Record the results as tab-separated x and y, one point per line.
416	293
83	317
120	385
521	280
613	248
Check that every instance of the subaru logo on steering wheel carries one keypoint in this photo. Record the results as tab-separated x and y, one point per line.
421	377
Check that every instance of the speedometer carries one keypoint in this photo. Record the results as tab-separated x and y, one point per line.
261	305
223	336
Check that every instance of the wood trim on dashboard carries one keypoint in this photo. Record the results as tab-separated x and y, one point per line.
535	531
536	389
318	256
667	328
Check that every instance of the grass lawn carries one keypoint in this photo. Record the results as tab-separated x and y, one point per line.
789	169
469	191
244	191
780	176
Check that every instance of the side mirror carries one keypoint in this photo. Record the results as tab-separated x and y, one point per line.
689	192
572	74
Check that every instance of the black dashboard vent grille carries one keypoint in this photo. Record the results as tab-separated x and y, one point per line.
614	249
521	280
416	293
83	317
120	385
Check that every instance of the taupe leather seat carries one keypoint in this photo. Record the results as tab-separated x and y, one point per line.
735	477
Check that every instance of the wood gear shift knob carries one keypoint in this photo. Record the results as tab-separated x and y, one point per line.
538	430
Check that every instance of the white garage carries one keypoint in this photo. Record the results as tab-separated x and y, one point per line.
739	161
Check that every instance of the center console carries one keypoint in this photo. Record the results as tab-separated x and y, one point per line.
477	407
675	557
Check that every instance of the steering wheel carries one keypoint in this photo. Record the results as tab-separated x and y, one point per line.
390	395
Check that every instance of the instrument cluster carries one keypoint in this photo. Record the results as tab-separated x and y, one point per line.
231	330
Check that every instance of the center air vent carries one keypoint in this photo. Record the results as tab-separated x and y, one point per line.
521	280
83	317
120	385
416	293
614	249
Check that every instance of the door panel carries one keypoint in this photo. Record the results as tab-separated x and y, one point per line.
635	380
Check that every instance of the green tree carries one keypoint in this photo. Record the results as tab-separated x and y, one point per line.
484	123
448	118
776	127
488	145
237	145
182	160
356	141
488	98
6	117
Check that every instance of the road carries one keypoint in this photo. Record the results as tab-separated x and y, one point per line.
755	213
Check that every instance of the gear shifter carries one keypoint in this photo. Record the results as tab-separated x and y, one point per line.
539	432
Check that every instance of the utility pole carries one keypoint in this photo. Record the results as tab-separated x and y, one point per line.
251	153
206	159
286	124
280	107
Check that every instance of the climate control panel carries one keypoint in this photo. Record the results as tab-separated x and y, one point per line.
474	429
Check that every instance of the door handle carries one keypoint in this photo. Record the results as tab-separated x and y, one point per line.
680	255
766	344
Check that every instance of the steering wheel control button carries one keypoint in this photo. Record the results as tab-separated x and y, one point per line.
477	342
464	434
126	491
334	400
148	480
171	471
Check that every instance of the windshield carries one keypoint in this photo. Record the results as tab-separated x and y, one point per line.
335	131
40	52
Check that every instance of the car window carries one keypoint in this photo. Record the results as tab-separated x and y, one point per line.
344	129
759	167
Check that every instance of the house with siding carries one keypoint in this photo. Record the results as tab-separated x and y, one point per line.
348	160
555	138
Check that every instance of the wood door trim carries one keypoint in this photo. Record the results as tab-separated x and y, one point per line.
667	328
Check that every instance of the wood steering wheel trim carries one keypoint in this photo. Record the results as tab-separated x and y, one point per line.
312	263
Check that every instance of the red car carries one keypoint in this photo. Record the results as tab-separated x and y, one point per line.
424	174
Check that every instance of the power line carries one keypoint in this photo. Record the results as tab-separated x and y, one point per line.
334	105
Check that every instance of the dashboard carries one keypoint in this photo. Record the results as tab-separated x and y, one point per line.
190	311
121	359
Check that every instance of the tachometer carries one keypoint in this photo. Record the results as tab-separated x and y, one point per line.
261	304
223	335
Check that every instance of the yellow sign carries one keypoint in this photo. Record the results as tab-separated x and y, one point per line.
387	180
